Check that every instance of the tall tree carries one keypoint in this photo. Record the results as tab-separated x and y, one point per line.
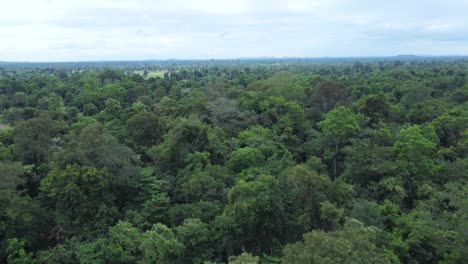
338	125
33	139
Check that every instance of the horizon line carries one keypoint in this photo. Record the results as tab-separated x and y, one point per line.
403	56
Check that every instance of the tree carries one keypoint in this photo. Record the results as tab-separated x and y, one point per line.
255	217
376	107
342	246
328	95
427	110
89	109
372	165
110	75
33	138
127	244
283	83
226	114
122	245
369	213
416	151
246	157
82	199
415	93
201	181
150	197
249	142
112	111
160	245
451	125
197	239
244	258
17	254
96	147
60	254
287	119
143	129
338	125
189	135
309	189
429	235
21	216
330	215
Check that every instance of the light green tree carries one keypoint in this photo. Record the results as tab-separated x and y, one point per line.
338	125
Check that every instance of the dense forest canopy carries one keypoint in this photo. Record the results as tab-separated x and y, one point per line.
289	161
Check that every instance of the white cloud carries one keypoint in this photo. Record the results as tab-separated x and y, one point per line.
41	30
303	6
215	6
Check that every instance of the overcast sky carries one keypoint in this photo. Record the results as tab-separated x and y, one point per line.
77	30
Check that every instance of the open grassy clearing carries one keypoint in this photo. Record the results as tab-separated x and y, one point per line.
150	74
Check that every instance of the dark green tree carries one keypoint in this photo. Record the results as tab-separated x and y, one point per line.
33	139
143	129
82	199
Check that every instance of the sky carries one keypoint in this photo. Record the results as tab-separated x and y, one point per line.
91	30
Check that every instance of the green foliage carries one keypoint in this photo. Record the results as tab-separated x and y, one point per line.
368	213
96	147
339	124
143	129
154	200
221	162
243	158
309	189
61	254
160	245
342	246
244	258
82	199
200	180
451	125
331	215
112	111
283	83
196	236
371	165
21	217
327	95
254	217
377	108
126	244
32	139
188	136
17	254
227	114
415	151
255	139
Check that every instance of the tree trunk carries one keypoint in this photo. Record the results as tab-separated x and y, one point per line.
334	159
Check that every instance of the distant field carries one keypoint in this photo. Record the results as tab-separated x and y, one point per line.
153	74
